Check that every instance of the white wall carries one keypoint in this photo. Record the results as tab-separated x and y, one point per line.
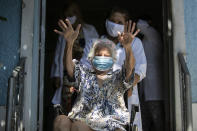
178	46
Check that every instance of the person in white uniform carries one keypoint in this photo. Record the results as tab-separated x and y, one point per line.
88	32
151	91
114	25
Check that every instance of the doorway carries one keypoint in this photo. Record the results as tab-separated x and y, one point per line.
92	10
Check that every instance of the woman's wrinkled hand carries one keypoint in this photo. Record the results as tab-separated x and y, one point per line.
69	34
128	35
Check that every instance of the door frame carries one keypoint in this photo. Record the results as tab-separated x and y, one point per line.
32	47
168	66
33	37
176	31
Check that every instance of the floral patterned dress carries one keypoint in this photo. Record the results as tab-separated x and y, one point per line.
101	108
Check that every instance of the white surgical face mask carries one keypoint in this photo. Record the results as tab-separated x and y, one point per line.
72	19
113	28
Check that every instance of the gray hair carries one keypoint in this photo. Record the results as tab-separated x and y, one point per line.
104	43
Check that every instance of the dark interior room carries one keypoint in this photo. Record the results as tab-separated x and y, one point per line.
94	12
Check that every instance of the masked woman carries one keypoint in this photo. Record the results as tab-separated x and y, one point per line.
100	104
115	23
88	32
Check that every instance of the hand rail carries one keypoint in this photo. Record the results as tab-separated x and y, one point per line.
14	116
186	103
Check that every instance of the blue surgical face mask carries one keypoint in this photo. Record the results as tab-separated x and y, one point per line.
113	28
102	63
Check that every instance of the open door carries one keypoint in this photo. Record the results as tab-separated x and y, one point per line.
92	10
41	65
168	65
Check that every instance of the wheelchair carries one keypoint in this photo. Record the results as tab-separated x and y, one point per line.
65	108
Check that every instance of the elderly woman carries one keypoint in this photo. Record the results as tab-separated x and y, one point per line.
115	22
100	104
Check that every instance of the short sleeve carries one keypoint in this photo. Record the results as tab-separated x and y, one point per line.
139	54
77	77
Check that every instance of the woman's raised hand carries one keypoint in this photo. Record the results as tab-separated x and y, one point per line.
69	34
128	35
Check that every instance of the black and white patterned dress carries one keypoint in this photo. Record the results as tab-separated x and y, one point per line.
101	108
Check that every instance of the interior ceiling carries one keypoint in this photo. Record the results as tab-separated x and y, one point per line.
94	12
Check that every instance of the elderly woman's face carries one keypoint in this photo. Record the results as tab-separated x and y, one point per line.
103	52
102	60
